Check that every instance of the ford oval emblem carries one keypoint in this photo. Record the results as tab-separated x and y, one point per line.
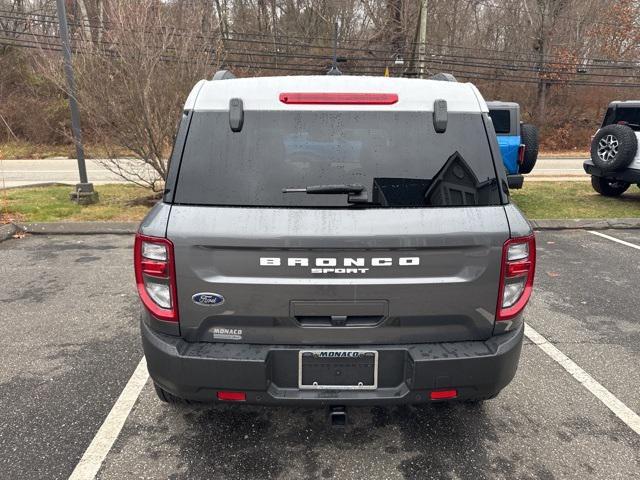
208	299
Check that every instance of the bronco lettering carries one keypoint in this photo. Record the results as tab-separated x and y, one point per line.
334	262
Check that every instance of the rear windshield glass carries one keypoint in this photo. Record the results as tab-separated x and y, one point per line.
625	115
396	157
501	120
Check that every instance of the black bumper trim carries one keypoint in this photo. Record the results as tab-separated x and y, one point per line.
629	175
196	371
515	181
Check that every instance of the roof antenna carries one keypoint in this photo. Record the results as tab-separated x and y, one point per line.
334	70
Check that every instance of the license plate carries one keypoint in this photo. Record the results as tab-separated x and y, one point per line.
338	369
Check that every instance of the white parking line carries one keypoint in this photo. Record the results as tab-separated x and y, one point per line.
101	444
621	411
614	239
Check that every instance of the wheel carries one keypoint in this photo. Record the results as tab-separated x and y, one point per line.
530	138
608	187
614	147
165	396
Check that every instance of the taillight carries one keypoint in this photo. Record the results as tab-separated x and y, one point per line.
156	276
521	150
324	98
516	276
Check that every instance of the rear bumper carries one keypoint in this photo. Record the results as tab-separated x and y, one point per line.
629	175
268	373
515	181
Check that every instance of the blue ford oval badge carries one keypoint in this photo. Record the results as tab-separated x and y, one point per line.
208	299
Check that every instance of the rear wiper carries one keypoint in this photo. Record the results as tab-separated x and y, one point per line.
356	193
326	189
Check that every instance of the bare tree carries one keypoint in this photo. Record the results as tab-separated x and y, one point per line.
560	59
132	85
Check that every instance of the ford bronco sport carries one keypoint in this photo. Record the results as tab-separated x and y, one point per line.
334	241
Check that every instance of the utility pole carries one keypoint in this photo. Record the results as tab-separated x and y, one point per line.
541	44
334	70
84	193
422	45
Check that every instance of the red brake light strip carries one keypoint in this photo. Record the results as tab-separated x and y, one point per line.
309	98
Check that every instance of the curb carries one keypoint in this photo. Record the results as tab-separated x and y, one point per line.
80	228
587	224
33	185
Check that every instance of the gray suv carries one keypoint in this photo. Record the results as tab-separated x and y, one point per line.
334	241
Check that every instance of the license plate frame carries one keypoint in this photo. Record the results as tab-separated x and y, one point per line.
317	353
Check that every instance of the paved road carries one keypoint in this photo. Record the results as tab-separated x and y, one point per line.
70	344
558	169
17	173
25	172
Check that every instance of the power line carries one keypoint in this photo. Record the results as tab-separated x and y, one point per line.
368	68
307	44
370	62
297	68
435	58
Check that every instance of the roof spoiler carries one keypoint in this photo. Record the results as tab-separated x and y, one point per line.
223	75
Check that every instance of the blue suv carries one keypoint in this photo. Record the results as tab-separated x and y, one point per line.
518	141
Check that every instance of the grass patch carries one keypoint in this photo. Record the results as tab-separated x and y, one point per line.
52	204
545	200
25	150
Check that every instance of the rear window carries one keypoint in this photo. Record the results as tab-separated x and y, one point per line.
626	115
396	157
501	121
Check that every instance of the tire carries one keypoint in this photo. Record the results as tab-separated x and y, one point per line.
608	187
166	397
614	147
530	138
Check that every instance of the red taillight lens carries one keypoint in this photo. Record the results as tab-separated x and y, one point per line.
232	396
521	150
516	276
156	276
443	394
301	98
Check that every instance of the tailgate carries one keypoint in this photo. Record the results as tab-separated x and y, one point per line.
337	276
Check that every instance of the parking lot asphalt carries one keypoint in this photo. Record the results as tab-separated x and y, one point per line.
69	344
68	313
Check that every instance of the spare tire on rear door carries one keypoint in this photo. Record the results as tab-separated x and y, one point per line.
529	138
614	147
